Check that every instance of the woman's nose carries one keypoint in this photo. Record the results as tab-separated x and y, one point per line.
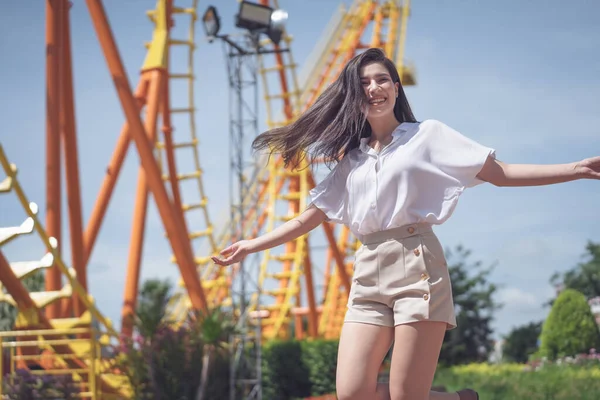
372	87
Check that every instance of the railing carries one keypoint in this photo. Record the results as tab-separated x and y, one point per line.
74	353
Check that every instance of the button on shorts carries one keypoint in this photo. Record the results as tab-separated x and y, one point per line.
401	276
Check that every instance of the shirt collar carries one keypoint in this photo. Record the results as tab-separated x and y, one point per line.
364	142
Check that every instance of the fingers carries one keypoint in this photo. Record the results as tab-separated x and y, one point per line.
232	254
219	261
226	261
227	250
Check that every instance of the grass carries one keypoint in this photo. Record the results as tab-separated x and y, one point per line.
517	382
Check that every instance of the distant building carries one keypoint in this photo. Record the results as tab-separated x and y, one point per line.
496	354
594	303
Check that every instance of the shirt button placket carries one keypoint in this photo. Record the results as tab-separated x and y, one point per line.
374	180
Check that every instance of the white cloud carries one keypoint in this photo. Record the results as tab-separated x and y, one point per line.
518	299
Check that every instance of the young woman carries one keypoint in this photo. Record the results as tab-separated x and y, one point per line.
395	179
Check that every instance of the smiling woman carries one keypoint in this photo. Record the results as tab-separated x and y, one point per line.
394	179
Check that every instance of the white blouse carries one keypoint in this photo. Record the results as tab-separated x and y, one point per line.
418	177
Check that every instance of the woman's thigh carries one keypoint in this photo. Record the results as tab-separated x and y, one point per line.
361	351
414	359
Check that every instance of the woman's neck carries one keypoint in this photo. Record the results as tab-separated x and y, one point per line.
381	131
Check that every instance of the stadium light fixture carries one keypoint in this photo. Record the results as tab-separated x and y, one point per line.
211	22
257	18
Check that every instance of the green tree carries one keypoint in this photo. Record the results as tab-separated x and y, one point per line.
521	342
473	295
149	324
213	328
585	276
151	310
570	328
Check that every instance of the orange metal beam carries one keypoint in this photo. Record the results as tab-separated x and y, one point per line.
139	212
313	317
69	140
337	255
351	52
173	224
110	179
293	209
53	204
322	79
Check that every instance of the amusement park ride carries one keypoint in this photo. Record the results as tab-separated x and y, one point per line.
61	327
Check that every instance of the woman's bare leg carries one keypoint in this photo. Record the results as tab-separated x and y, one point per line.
361	351
414	361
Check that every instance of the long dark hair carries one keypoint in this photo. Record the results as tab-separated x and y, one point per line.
336	122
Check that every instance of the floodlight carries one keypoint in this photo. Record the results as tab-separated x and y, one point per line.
278	20
253	17
257	18
212	22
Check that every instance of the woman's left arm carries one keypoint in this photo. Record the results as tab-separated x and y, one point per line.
500	174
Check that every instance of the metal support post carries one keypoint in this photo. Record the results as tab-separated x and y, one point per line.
242	66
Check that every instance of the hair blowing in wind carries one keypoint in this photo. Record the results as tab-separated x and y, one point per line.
336	122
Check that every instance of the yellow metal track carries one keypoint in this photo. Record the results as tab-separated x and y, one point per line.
86	351
186	152
282	268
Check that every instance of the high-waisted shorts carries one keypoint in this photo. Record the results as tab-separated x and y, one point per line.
401	276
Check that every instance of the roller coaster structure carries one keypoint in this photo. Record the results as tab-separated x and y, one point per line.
285	290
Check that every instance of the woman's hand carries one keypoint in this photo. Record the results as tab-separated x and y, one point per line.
292	229
588	168
234	253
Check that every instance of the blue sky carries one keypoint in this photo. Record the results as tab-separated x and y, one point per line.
521	77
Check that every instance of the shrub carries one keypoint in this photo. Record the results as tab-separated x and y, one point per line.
175	362
299	369
218	378
24	385
168	367
320	357
285	375
570	327
517	382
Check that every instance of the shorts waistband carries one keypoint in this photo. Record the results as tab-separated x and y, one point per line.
400	232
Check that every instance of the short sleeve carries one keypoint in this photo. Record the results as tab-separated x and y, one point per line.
331	194
456	155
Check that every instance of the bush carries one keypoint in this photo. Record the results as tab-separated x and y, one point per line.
24	385
285	375
570	327
218	378
175	363
320	357
299	369
169	365
518	382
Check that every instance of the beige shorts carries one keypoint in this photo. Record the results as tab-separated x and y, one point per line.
401	276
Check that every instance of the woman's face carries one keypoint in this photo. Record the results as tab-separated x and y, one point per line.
380	90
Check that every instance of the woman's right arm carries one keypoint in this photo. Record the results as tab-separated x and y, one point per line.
292	229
